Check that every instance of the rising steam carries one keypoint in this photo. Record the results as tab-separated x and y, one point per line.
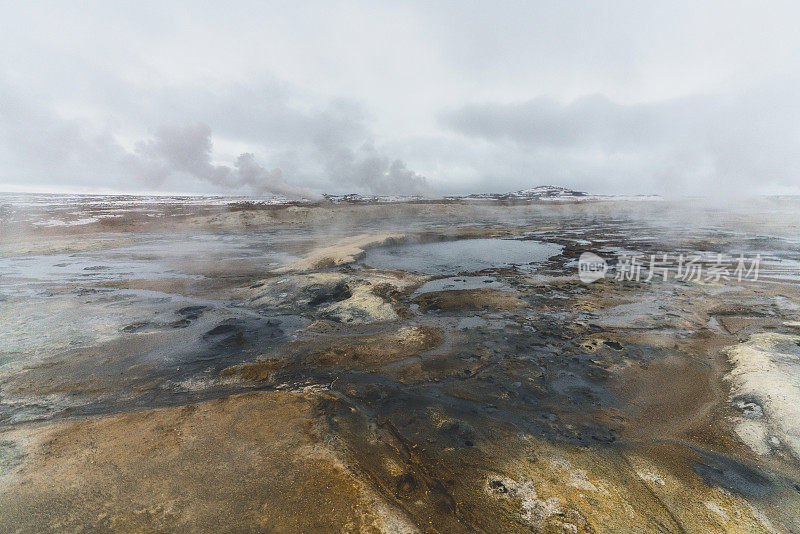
187	150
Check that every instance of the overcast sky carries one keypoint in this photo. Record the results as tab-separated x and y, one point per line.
299	98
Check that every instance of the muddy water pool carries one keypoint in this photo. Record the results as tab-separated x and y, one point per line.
465	255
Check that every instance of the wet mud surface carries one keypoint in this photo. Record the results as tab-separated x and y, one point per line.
291	369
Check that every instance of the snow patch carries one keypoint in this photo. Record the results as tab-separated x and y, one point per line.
765	371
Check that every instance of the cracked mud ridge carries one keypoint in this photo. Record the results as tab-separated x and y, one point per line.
409	367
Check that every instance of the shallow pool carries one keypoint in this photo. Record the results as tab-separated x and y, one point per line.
465	255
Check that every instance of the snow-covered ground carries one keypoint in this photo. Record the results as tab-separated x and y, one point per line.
45	200
553	193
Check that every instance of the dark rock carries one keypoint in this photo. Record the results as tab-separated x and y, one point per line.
223	329
732	475
191	312
136	327
323	295
498	486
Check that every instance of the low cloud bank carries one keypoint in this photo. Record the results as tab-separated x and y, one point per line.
691	145
45	148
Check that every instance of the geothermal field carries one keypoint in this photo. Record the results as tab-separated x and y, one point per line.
399	365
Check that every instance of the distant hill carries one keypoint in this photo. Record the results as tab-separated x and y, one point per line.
542	193
355	198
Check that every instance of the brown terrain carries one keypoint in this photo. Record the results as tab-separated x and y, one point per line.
283	383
